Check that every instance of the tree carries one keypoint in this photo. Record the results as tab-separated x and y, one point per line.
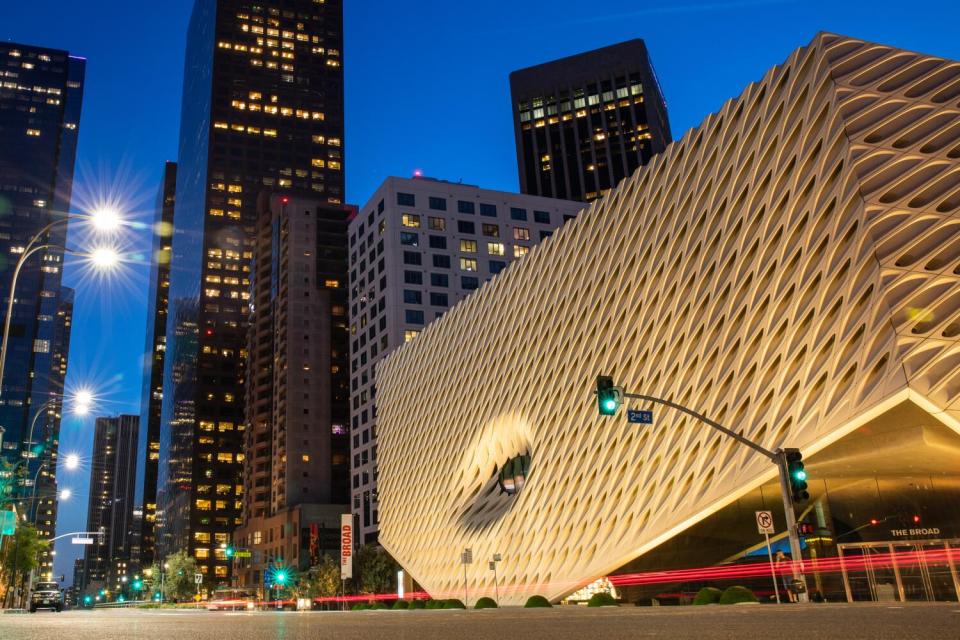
178	584
377	570
151	581
20	553
323	579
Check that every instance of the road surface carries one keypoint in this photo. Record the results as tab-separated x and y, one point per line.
753	622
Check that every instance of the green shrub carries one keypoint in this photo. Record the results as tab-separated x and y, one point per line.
735	595
360	606
708	595
377	605
401	604
453	603
434	604
602	599
537	602
418	604
485	603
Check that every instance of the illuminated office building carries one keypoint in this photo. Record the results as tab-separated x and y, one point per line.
111	504
296	444
586	122
41	93
262	109
151	397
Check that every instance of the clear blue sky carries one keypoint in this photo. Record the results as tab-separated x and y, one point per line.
426	88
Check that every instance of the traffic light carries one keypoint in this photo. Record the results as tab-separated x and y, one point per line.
805	529
87	600
228	551
797	476
609	397
138	585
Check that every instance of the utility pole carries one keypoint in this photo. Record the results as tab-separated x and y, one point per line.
609	399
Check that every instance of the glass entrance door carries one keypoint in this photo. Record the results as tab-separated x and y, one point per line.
921	570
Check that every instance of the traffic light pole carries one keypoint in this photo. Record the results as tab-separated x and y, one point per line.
779	458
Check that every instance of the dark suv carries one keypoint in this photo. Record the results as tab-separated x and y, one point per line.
46	595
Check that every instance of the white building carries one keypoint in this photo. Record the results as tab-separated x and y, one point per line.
417	248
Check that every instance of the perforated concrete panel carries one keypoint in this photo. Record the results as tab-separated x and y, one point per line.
789	268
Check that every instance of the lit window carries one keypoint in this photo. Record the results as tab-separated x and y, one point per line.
224	457
410	334
318	163
332	284
519	251
468	264
411	220
468	246
33	132
204	505
305	458
495	248
521	233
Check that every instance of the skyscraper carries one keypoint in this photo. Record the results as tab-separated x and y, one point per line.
262	108
585	122
112	487
417	248
151	398
46	507
41	92
296	444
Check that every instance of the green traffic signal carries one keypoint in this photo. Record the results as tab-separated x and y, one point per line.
608	396
797	475
138	584
228	552
280	577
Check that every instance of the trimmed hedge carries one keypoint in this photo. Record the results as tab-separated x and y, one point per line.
736	595
708	595
602	599
377	605
453	603
434	604
485	603
537	602
401	604
360	606
418	604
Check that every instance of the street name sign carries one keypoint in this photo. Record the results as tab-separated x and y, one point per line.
765	522
241	554
346	546
81	540
639	417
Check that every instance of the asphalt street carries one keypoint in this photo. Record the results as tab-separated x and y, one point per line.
756	622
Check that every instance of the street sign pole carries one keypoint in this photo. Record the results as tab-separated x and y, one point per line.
773	572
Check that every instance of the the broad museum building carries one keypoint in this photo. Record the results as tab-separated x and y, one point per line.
790	269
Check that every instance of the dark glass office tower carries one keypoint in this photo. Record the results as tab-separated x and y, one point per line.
41	92
112	485
151	398
585	122
262	108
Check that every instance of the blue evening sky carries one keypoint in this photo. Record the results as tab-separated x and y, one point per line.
426	89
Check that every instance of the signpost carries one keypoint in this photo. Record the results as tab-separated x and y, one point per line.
466	558
639	417
765	526
346	551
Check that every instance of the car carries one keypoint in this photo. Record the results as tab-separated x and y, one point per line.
46	595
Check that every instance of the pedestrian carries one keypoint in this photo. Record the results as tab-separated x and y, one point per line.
782	565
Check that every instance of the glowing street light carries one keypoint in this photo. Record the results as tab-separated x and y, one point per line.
72	461
65	494
106	219
104	258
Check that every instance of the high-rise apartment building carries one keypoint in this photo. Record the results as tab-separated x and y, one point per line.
585	122
41	92
46	506
110	509
151	397
296	443
417	248
262	108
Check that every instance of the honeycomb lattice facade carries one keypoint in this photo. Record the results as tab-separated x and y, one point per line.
790	268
